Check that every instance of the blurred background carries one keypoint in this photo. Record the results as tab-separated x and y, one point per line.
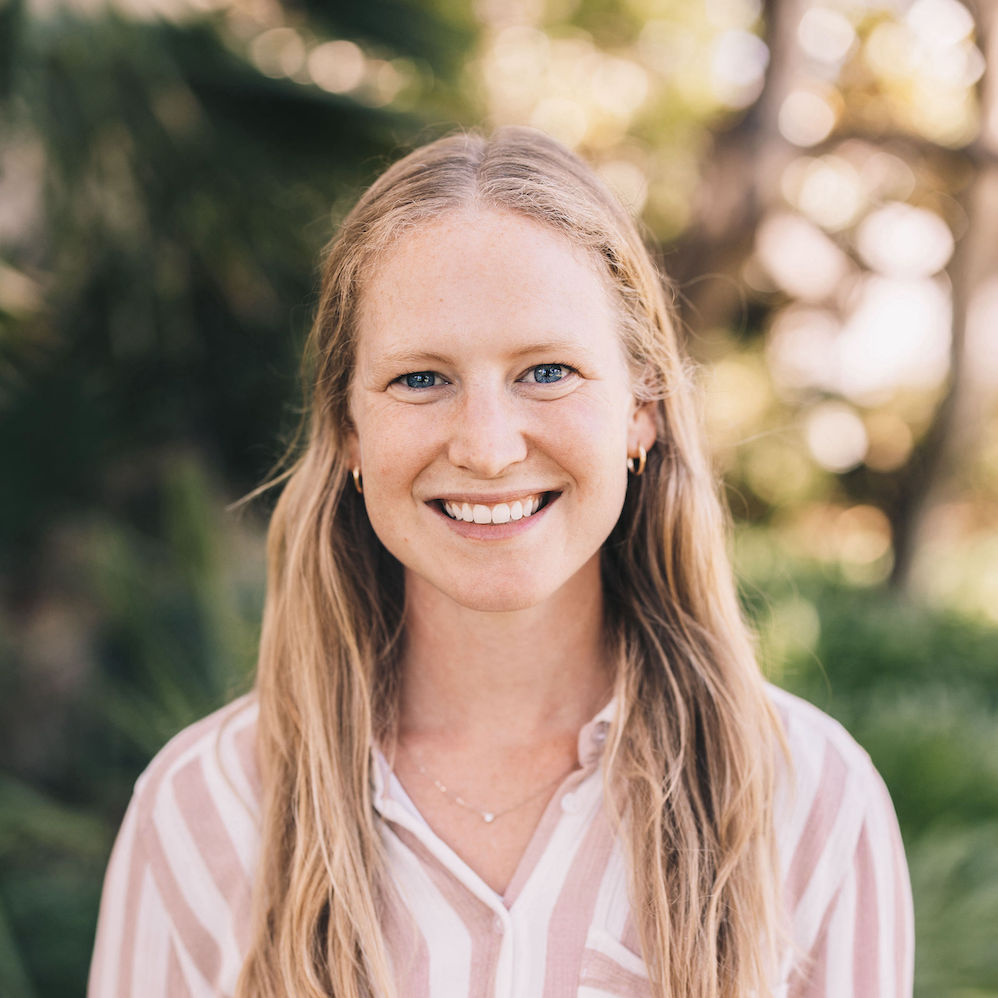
820	180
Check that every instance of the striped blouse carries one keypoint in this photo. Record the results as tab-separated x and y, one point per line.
174	917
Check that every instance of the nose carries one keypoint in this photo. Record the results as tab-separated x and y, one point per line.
486	436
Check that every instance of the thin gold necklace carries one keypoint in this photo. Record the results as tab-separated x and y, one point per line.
487	816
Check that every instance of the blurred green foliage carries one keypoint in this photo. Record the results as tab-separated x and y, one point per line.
176	615
919	690
164	206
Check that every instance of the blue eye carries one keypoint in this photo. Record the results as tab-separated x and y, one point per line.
420	379
546	374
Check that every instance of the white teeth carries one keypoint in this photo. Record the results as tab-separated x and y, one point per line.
499	513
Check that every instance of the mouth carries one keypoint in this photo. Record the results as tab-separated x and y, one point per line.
500	512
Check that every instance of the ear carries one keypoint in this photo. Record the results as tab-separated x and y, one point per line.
351	448
353	451
641	429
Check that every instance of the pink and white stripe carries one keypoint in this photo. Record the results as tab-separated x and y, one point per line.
175	912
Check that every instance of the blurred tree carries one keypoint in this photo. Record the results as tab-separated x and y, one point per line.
957	432
817	174
168	174
807	167
167	186
171	207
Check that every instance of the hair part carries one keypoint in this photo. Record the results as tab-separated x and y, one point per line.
692	755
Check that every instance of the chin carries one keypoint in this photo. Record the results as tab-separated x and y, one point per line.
499	596
491	600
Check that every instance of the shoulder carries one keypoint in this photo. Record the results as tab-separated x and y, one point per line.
826	789
196	807
210	764
836	830
174	914
826	761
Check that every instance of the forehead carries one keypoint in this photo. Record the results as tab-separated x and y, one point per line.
488	272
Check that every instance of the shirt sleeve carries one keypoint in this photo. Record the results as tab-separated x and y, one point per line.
175	913
865	948
135	953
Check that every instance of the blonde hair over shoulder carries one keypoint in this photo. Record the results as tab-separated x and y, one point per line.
692	755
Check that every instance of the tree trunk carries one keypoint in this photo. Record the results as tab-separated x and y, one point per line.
961	417
740	181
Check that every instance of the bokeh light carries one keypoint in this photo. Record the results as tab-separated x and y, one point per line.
807	116
896	334
902	241
278	52
829	190
801	258
739	67
826	35
337	66
927	64
836	436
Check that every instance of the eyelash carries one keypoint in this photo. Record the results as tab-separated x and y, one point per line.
567	369
403	379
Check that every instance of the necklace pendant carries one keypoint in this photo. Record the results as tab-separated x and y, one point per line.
488	817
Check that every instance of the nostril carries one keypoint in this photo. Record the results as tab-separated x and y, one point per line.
486	441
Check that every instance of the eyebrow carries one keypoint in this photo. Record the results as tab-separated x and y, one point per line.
415	360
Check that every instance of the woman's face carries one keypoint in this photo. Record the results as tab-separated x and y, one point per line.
493	410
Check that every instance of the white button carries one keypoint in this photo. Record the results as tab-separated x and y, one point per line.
497	924
569	804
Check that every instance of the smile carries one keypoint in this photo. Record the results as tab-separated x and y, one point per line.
500	512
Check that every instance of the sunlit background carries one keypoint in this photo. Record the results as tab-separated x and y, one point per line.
819	178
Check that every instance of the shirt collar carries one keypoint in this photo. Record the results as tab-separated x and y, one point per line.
592	741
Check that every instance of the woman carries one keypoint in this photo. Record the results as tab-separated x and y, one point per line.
508	734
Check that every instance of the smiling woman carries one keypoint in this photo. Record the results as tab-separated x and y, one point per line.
529	408
508	735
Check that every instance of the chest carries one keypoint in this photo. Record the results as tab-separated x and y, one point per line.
561	927
487	808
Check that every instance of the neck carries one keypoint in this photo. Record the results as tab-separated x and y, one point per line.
508	677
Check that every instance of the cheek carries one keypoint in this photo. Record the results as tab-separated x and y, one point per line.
392	447
390	470
593	438
394	453
592	449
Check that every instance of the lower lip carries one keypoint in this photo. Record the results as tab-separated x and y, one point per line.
494	531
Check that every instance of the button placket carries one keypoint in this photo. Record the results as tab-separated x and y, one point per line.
502	926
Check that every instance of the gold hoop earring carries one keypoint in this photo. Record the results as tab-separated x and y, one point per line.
357	483
642	458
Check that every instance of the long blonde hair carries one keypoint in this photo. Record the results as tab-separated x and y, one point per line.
691	759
